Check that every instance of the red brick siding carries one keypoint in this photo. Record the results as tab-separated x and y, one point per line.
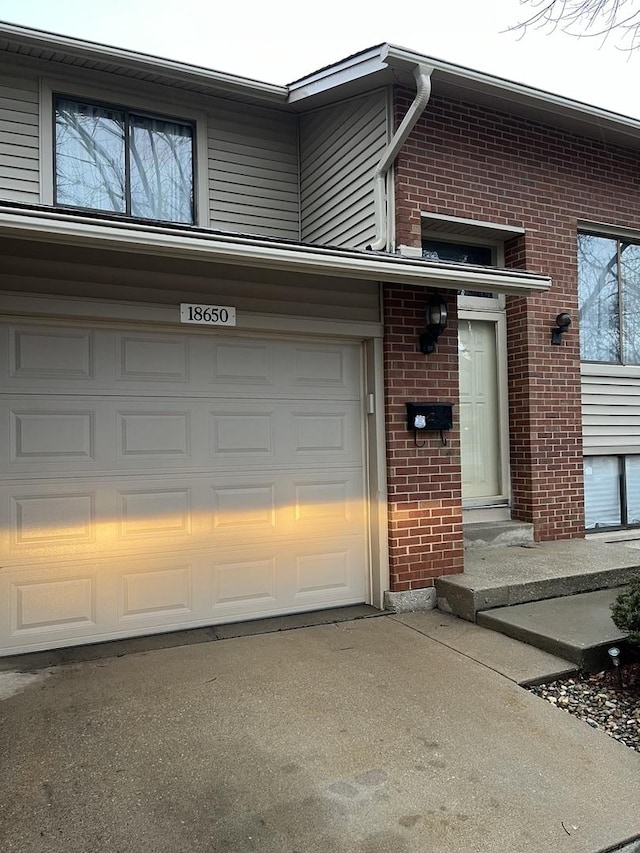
425	522
467	161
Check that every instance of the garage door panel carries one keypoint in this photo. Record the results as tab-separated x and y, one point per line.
154	512
244	510
296	577
315	367
152	358
44	607
77	517
249	364
162	434
52	435
236	434
328	502
93	360
59	605
245	585
43	353
64	435
325	572
47	519
160	593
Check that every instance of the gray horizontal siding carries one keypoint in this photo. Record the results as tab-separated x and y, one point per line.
19	144
271	292
253	171
610	413
340	147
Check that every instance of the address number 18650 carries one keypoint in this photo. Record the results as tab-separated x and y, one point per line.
208	315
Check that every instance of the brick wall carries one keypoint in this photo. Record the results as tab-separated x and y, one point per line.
424	483
470	162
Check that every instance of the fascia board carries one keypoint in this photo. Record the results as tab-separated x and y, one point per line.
553	104
250	252
345	72
217	80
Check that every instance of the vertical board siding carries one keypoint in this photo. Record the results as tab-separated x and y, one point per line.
19	146
340	147
610	413
253	171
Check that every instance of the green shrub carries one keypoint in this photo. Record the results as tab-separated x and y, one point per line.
625	611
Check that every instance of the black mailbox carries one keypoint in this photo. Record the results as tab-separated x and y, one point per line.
429	416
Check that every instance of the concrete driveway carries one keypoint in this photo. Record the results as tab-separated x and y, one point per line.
359	737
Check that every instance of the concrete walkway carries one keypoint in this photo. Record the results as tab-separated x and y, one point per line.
359	737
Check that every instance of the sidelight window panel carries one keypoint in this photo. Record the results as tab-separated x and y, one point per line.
161	169
90	156
602	507
599	298
630	280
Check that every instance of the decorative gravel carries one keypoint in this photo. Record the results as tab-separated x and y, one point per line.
601	702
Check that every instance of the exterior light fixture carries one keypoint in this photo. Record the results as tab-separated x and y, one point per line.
436	323
563	321
614	655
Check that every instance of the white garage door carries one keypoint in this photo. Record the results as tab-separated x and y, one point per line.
153	480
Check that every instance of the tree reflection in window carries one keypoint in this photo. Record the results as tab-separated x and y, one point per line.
123	162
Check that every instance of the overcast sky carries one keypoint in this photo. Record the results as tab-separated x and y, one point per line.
280	40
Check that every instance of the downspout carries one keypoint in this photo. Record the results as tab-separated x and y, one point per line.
422	73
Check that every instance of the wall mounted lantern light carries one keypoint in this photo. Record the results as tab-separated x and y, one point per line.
563	321
436	323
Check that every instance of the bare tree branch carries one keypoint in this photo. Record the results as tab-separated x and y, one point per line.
601	19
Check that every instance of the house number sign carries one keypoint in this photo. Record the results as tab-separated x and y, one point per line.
207	315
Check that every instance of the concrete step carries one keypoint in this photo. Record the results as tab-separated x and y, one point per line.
490	533
503	576
577	628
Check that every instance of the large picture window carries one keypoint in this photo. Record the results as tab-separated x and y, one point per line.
609	299
120	161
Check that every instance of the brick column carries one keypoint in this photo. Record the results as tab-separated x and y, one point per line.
425	509
544	398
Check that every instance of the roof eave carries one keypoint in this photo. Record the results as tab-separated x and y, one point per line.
218	81
73	230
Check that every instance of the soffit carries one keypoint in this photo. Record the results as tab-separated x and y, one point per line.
432	224
21	43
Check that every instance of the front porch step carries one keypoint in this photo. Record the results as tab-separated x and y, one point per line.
489	533
501	576
577	628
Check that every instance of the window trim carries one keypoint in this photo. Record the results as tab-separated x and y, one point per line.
51	88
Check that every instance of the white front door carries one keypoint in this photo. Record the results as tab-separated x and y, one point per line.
483	433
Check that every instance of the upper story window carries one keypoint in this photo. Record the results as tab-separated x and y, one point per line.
123	161
609	299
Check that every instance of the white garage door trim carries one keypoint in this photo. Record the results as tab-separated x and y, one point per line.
36	556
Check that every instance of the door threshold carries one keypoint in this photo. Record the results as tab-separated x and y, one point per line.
478	514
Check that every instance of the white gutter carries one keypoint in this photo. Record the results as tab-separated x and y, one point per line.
250	252
422	73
